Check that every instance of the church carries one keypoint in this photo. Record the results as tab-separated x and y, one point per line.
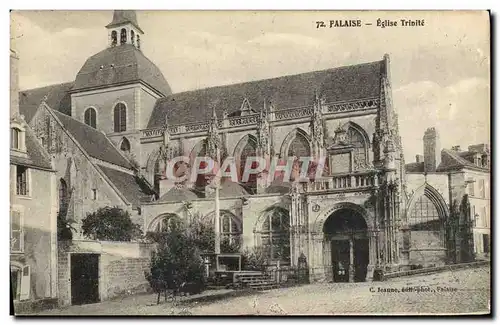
112	131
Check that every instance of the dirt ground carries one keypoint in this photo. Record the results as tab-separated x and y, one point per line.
462	291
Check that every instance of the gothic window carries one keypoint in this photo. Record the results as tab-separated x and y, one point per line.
230	229
299	147
114	38
275	234
355	138
90	117
424	215
249	150
125	145
132	37
63	197
201	180
22	186
120	117
123	36
167	222
15	138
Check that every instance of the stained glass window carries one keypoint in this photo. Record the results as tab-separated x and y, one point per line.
275	234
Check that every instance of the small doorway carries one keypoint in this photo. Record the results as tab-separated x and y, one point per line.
84	279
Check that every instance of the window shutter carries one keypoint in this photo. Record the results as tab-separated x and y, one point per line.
25	283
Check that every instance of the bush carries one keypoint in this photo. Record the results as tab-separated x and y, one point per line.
254	259
110	223
176	260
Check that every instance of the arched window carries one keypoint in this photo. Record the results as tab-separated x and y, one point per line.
114	38
120	117
125	145
426	225
355	138
132	37
15	138
63	197
299	147
166	222
123	36
275	234
230	226
249	150
138	42
90	117
201	179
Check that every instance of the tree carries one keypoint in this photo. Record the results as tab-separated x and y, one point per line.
110	223
176	260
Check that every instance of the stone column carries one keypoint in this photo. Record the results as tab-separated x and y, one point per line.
351	260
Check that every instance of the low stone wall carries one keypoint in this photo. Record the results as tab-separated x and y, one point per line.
34	306
122	267
124	276
434	269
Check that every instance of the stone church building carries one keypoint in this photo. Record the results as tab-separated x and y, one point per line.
112	131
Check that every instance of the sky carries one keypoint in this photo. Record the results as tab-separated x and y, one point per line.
439	71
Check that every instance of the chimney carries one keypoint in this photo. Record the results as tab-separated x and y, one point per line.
432	150
14	83
455	148
419	158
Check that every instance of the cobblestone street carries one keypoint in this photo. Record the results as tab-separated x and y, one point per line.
462	291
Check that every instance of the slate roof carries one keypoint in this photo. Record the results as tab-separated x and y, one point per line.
337	84
453	160
36	154
415	167
178	195
117	65
94	142
130	186
230	189
58	99
121	17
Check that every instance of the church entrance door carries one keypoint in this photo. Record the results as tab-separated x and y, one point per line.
345	231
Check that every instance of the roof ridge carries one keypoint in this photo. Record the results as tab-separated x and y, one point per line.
273	78
97	131
48	86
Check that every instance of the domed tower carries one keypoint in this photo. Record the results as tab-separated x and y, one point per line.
116	89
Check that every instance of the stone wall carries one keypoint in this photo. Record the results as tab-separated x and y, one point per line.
121	267
38	219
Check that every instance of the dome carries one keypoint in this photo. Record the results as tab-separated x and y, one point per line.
178	195
230	189
118	65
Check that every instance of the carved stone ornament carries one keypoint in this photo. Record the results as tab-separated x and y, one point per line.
316	207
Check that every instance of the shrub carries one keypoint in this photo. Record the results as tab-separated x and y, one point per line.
110	223
254	259
176	260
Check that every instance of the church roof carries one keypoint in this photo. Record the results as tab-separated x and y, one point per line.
129	185
121	64
94	142
36	154
178	195
58	99
121	17
338	84
230	189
